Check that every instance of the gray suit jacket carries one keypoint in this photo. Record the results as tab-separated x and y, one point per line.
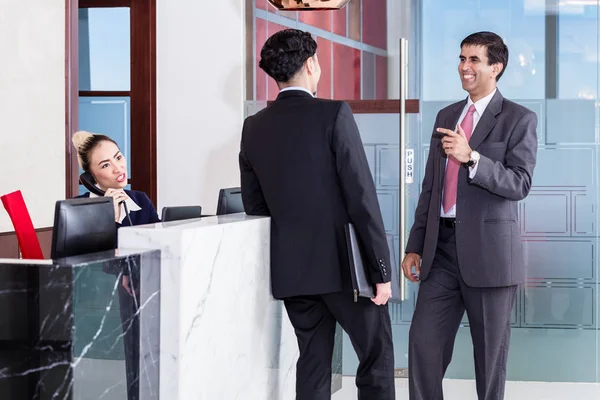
488	238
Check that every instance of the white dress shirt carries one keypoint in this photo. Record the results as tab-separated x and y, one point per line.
296	88
480	107
131	206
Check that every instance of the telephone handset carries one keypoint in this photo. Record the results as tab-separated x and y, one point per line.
87	180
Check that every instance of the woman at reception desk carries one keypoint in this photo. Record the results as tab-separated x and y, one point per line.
105	174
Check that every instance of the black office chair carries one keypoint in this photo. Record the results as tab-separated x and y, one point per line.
180	213
82	226
230	201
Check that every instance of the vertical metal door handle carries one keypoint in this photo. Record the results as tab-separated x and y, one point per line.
403	96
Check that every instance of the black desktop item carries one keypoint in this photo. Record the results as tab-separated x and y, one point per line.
85	225
230	201
87	180
180	213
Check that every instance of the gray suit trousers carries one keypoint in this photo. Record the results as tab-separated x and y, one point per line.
442	301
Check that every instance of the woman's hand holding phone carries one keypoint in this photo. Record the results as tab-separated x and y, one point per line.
118	196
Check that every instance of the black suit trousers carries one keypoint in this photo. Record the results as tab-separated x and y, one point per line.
443	299
370	331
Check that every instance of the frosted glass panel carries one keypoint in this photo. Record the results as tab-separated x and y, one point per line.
380	134
571	121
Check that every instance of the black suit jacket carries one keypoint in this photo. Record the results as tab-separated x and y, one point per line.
488	238
302	163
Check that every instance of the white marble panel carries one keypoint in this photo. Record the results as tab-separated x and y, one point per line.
223	336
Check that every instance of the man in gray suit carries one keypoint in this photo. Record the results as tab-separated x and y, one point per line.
465	244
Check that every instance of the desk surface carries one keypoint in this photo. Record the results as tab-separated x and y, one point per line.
199	222
81	260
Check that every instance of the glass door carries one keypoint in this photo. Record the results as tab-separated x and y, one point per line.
552	70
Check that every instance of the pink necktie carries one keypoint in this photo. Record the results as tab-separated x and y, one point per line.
451	178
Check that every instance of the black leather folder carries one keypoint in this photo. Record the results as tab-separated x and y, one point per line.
360	283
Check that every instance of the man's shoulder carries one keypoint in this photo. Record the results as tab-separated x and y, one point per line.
330	102
305	101
330	105
273	110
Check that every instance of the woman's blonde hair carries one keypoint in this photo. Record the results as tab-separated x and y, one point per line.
85	142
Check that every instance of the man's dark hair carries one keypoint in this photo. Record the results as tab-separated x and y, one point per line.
497	52
284	53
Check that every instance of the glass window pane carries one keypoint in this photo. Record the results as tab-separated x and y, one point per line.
578	48
348	39
104	49
444	27
109	116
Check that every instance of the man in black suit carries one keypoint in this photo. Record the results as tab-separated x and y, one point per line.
303	164
465	242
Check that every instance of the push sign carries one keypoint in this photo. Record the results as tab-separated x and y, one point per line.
410	166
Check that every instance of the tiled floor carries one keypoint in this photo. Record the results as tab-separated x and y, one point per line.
455	389
92	385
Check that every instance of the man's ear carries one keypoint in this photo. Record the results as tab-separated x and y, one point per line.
497	69
310	65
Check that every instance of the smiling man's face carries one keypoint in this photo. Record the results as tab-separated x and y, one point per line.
476	75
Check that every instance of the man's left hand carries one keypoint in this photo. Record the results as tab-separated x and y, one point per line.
456	144
383	293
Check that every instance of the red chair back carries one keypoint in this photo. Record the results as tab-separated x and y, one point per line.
19	215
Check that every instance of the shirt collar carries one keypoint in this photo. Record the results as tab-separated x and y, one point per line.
296	88
131	206
482	103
